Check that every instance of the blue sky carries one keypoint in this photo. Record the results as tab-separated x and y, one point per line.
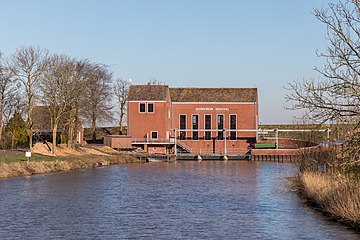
183	43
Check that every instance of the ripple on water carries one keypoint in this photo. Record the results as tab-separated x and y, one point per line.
184	200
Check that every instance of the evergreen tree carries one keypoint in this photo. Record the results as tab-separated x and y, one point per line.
15	131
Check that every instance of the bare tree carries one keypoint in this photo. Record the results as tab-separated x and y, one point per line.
26	65
121	90
55	86
335	97
97	99
6	88
75	95
14	103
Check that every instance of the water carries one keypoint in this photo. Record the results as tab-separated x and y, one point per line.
185	200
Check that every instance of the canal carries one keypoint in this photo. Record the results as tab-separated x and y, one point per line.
184	200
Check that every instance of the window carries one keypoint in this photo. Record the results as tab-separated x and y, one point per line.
195	127
154	135
182	126
142	108
232	127
208	126
220	123
150	107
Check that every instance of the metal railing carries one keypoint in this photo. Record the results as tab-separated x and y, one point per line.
159	140
210	151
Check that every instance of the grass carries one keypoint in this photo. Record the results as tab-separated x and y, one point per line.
16	165
21	158
265	145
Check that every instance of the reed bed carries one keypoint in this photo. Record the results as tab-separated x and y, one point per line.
334	194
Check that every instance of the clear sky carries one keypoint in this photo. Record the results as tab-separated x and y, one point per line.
183	43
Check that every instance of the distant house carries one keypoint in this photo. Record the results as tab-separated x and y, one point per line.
195	120
42	127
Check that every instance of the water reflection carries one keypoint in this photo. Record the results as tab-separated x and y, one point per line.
184	200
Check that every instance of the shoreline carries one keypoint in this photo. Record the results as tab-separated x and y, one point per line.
61	164
335	198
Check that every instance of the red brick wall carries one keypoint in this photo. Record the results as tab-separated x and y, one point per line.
246	120
246	115
152	149
207	146
140	124
118	141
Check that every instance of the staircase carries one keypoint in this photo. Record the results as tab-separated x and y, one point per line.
181	148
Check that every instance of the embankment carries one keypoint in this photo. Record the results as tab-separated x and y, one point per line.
25	168
335	195
43	161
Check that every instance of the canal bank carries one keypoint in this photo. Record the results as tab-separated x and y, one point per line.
27	168
43	161
336	196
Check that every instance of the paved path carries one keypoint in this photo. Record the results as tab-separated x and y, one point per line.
4	153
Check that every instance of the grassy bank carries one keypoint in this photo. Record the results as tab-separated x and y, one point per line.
16	165
335	195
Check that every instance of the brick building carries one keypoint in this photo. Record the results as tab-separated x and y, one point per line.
194	120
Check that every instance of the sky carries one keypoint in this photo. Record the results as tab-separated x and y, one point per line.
182	43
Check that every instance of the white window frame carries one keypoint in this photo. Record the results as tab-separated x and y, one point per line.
140	107
217	129
147	107
197	130
211	126
186	119
233	130
157	135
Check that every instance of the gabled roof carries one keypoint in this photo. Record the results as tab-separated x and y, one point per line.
213	94
42	120
148	92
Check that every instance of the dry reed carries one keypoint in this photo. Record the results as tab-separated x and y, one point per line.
334	194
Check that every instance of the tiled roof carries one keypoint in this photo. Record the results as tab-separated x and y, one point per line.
159	92
148	92
213	94
42	119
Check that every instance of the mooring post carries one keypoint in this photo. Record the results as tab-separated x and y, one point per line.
175	148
